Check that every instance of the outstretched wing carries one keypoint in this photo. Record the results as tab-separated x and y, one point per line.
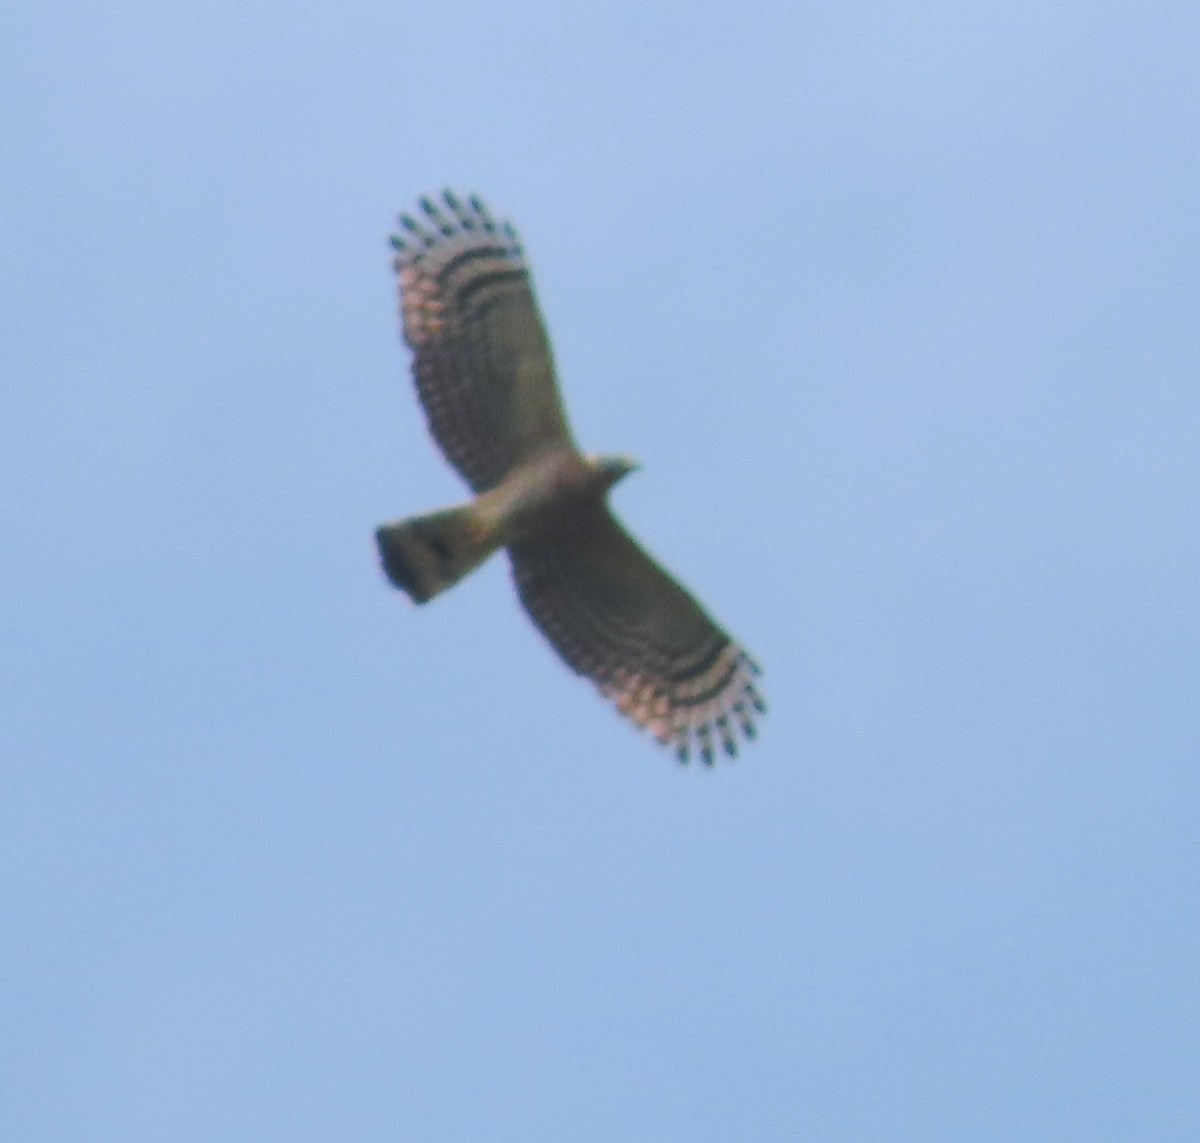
481	358
614	615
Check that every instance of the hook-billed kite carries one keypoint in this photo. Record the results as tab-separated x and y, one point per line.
486	378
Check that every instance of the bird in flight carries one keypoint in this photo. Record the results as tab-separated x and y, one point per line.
485	376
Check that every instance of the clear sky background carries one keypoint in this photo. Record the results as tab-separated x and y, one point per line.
897	303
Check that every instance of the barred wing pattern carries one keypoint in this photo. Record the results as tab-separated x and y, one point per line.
615	616
481	357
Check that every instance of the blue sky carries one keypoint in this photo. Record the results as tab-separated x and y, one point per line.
897	304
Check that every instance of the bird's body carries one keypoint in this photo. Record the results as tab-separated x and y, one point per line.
486	378
538	497
542	494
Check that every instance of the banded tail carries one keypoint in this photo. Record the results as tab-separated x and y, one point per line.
424	555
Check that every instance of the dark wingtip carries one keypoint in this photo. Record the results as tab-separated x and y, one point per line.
481	211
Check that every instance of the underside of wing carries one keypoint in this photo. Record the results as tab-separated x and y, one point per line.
615	616
481	357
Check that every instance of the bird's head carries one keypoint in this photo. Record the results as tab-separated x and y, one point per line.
613	468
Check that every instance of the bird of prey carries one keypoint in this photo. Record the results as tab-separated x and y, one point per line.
486	379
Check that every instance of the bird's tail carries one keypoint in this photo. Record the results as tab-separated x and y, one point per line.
424	555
